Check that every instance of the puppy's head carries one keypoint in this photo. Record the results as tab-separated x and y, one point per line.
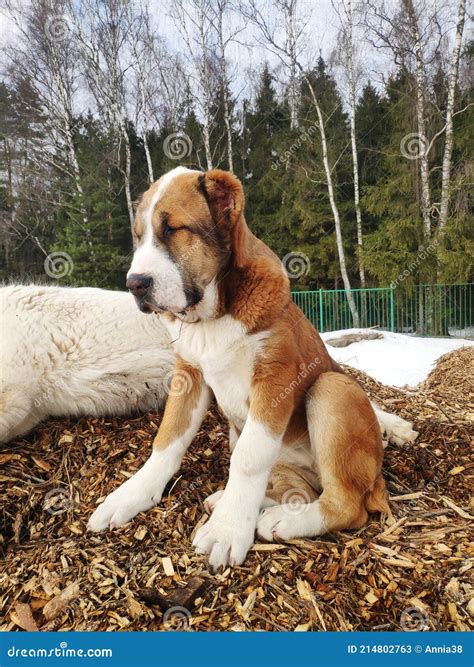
188	226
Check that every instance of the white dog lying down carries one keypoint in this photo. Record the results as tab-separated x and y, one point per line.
86	351
77	351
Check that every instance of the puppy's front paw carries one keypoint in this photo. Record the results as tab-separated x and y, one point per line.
212	500
122	505
226	538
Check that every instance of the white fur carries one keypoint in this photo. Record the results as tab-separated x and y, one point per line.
212	500
145	488
151	260
226	355
284	522
229	533
394	428
168	288
77	351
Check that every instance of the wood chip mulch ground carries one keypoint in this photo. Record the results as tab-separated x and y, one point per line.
413	573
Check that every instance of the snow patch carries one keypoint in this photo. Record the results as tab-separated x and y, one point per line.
398	359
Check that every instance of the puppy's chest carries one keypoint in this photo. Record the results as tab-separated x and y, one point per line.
226	355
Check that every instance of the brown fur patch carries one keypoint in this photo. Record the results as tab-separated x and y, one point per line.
291	483
178	410
346	441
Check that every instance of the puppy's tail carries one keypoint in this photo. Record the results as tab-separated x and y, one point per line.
376	500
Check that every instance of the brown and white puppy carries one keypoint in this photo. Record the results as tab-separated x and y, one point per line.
299	427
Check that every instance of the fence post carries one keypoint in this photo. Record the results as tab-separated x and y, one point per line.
392	309
321	322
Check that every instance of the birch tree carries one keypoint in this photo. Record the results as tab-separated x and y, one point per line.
219	11
421	87
332	199
281	48
346	12
449	133
193	21
289	9
141	42
413	46
43	57
102	28
26	181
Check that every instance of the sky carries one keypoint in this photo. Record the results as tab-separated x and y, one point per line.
244	53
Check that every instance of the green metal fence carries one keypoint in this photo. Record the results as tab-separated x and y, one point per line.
425	310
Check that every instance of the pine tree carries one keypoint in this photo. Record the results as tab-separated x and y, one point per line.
99	252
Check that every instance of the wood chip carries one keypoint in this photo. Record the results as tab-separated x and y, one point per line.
458	510
371	598
176	597
453	612
168	566
350	580
44	465
23	617
395	562
140	533
59	603
304	589
135	608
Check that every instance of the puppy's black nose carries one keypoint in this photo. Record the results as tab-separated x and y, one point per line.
139	284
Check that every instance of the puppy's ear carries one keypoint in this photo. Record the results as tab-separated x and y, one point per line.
136	203
224	194
225	197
